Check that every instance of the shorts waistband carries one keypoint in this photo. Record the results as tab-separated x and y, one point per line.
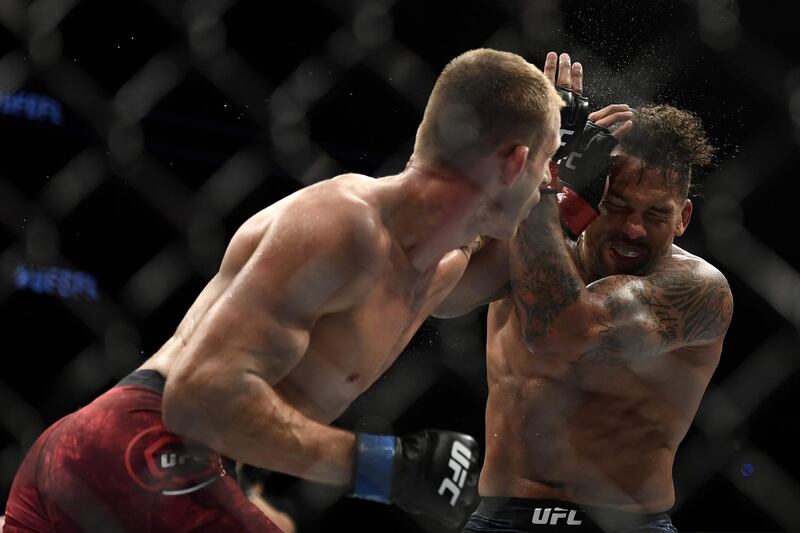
149	379
557	515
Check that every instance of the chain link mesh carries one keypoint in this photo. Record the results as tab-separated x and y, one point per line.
138	135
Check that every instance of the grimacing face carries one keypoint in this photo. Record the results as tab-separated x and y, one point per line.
643	211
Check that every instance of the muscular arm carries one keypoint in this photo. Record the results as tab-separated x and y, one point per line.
485	280
220	391
682	302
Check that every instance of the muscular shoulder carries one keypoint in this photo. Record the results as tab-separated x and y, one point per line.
698	290
319	249
335	226
343	211
333	218
685	269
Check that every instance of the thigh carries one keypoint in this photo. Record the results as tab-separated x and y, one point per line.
25	511
115	467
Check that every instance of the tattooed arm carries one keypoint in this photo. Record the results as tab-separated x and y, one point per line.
683	301
484	281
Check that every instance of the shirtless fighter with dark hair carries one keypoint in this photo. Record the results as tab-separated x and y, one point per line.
599	350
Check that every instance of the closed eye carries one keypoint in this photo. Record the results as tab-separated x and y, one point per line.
658	217
612	205
607	206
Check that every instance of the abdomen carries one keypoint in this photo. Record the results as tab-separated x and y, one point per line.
551	434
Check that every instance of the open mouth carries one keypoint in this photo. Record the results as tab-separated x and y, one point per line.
626	254
624	250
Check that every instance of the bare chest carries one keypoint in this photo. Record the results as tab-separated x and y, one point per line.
349	350
382	324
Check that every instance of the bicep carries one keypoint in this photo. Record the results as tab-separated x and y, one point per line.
239	348
252	327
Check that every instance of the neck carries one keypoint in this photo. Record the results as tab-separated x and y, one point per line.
433	213
589	275
578	256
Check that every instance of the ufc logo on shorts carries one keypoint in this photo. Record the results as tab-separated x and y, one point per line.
459	463
170	460
551	516
563	133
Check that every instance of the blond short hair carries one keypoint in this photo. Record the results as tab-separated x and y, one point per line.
481	100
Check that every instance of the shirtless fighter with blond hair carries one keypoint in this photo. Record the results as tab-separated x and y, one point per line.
315	298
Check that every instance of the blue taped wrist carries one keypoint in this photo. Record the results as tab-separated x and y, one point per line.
374	466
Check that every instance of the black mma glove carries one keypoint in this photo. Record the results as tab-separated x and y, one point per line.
584	172
573	119
432	472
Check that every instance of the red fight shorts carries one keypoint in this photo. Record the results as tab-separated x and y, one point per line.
112	466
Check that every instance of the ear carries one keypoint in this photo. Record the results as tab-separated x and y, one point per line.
686	216
514	164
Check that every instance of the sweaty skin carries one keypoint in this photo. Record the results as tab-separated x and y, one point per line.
588	427
316	297
598	360
598	352
276	327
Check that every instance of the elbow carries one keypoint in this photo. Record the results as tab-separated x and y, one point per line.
563	333
182	412
538	343
531	343
557	341
176	413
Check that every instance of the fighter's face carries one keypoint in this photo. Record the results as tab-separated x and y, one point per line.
512	202
537	170
641	215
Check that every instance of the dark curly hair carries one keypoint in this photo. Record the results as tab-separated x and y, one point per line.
671	139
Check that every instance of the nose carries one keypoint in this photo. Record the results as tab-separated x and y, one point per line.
634	227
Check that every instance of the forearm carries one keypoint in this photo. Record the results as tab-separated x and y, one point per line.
545	282
616	319
248	421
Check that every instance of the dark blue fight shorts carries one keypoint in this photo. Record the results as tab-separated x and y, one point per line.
516	515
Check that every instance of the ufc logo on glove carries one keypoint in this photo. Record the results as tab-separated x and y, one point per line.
459	463
433	471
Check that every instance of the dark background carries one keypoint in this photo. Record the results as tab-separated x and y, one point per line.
181	119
